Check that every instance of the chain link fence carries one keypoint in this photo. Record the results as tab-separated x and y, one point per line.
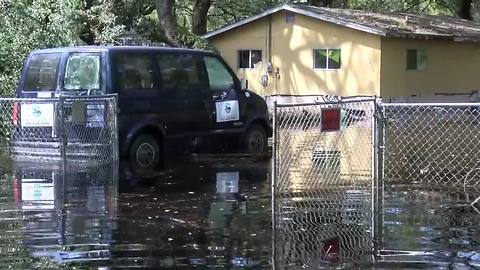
437	143
431	177
323	181
75	130
390	182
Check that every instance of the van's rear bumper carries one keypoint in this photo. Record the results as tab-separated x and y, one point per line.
27	150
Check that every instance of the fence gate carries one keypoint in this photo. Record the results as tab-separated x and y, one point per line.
323	181
74	130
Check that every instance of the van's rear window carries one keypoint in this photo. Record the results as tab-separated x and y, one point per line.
42	72
83	71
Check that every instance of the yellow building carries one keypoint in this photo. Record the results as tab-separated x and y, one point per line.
303	50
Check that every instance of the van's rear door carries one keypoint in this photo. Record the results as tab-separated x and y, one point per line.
35	114
85	117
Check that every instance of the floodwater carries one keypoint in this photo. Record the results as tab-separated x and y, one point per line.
190	215
201	214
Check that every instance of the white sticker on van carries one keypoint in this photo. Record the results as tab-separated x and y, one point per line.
37	115
37	190
42	94
227	111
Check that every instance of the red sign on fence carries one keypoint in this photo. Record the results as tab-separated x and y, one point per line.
331	118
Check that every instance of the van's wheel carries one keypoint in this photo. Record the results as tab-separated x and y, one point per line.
145	152
255	141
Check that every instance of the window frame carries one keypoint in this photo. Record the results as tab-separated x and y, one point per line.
250	66
225	66
102	74
57	73
116	65
326	64
417	58
201	69
290	17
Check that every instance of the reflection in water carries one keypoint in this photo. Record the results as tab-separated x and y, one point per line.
64	217
328	227
214	216
210	215
433	224
200	214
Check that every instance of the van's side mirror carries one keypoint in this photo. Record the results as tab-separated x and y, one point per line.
243	84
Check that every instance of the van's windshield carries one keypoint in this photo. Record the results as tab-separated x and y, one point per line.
82	72
42	72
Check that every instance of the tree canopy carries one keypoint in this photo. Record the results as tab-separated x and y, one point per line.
31	24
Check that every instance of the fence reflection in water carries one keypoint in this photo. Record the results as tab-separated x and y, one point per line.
322	185
67	216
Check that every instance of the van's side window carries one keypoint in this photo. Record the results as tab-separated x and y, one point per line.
134	71
179	71
218	76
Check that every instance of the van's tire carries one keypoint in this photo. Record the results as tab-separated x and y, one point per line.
255	140
145	152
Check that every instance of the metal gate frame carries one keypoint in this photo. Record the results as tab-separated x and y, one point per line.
374	166
66	137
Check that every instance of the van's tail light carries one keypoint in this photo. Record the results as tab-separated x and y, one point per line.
15	113
109	115
16	190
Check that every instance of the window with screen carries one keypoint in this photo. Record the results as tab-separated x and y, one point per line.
134	72
327	59
180	71
248	58
416	59
42	72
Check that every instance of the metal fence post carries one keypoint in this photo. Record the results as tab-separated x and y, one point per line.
378	183
374	205
273	180
116	155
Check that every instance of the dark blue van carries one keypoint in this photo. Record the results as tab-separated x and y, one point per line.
168	99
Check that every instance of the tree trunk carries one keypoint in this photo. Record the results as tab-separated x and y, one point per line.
464	9
199	16
167	21
86	33
320	3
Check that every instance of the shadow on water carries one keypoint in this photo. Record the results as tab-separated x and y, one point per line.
193	214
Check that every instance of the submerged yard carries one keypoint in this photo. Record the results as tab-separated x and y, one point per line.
215	215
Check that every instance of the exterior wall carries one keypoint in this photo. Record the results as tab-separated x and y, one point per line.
452	67
292	56
293	46
251	36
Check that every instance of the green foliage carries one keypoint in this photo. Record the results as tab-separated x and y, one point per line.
229	11
101	22
28	25
434	7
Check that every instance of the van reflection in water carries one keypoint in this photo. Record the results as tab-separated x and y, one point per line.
66	217
188	215
196	215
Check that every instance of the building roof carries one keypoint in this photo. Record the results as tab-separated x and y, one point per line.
395	25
